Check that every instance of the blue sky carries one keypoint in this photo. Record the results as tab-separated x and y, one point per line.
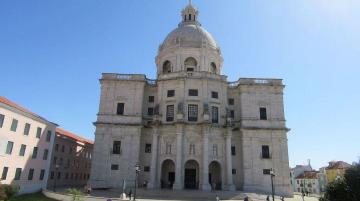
52	54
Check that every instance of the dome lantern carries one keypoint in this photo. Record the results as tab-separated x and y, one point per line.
189	15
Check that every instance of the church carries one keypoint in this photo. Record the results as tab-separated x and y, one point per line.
191	128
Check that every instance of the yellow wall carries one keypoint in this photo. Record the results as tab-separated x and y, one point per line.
331	174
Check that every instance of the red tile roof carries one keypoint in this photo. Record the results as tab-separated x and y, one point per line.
73	136
338	165
308	175
18	107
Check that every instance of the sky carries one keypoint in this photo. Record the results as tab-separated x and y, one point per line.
52	54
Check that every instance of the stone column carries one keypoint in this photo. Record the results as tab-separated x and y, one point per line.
205	186
178	184
229	178
154	153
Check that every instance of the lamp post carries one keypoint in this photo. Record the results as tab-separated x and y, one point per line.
272	174
137	170
55	176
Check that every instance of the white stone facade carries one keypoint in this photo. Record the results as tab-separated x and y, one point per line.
206	133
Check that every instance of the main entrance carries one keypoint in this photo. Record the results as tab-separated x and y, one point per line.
167	174
215	175
191	179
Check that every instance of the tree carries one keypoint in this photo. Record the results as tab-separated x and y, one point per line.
345	189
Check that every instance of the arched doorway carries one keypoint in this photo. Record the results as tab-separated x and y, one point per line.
167	174
215	175
191	179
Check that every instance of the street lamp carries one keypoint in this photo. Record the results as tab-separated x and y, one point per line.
272	174
56	169
137	170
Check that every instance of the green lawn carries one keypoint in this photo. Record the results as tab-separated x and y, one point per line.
32	197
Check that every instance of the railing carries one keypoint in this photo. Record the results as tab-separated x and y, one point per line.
136	77
255	81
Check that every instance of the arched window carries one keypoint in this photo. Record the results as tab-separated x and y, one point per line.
213	67
167	67
190	64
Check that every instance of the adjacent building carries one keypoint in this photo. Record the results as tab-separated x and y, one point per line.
296	171
191	128
336	170
308	182
70	161
26	141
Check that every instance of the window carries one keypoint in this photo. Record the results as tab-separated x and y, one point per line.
233	171
114	167
233	151
14	124
52	175
147	148
48	136
17	174
42	174
38	132
116	147
232	114
266	171
189	69
263	113
63	148
34	154
190	61
214	114
4	173
67	176
57	147
171	93
58	175
213	67
192	112
265	152
45	155
151	99
231	101
214	94
170	113
27	129
167	67
120	108
9	147
22	150
2	117
54	160
146	169
31	174
61	161
193	92
150	111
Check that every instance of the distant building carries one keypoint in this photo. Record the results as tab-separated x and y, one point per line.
296	171
26	141
336	170
72	157
308	182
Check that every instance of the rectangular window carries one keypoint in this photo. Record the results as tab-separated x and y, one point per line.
14	124
151	99
193	92
4	173
9	147
265	152
170	113
147	148
2	117
214	94
263	115
48	136
114	167
27	129
120	108
42	174
58	175
54	160
116	147
146	169
18	174
231	101
45	155
38	132
67	176
22	150
52	174
192	112
233	151
150	111
63	148
31	174
214	114
171	93
233	171
34	154
266	171
232	114
57	147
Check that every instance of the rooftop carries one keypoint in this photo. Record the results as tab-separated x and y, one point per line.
338	165
69	134
308	175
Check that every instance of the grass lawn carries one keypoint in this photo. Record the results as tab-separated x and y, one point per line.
32	197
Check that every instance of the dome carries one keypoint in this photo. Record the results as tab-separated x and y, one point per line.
189	35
